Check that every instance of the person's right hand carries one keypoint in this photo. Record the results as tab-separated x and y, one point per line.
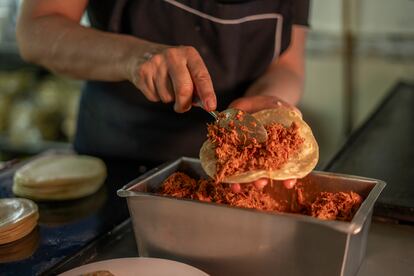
174	74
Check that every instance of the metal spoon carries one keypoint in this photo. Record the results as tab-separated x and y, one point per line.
246	126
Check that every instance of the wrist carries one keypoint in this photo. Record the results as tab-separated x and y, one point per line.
282	83
137	53
288	94
269	92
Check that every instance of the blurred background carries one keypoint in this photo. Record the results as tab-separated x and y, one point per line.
357	51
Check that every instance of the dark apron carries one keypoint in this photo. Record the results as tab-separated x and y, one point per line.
237	43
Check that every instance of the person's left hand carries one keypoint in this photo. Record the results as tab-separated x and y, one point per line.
254	104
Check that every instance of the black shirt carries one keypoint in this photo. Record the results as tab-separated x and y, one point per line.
237	42
99	11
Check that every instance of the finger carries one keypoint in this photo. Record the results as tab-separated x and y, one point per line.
289	183
163	85
145	82
261	183
181	81
235	187
279	102
251	104
298	111
201	78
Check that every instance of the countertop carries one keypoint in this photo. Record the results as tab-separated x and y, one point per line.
390	250
64	228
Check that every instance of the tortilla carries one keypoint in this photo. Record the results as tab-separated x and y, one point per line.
297	166
60	177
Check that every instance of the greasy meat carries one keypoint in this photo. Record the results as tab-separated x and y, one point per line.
326	205
335	206
182	186
235	157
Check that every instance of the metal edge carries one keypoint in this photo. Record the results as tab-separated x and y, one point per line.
355	225
124	192
367	205
345	256
352	227
341	226
337	225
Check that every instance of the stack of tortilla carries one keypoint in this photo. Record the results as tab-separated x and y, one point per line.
18	217
59	177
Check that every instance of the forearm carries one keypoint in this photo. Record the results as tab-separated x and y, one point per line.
65	47
285	77
282	82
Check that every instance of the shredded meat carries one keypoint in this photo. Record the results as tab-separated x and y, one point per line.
182	186
234	157
331	206
326	205
339	206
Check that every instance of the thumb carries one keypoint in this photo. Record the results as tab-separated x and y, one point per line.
289	183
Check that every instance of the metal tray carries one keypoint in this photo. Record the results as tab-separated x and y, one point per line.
225	240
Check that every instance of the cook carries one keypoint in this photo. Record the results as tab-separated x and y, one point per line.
146	60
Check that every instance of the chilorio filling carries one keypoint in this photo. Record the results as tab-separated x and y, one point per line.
181	185
324	205
234	157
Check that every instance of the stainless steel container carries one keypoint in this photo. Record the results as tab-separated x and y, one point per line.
224	240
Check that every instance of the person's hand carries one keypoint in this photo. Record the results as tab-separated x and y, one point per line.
261	183
256	103
175	74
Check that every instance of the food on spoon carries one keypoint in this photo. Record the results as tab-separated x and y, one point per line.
290	151
324	205
244	126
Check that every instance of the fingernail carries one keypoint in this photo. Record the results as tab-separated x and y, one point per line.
211	104
261	183
188	108
176	107
182	109
235	187
290	183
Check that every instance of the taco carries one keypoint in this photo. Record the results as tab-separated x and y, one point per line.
290	151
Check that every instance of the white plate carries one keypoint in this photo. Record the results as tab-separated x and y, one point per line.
13	210
138	266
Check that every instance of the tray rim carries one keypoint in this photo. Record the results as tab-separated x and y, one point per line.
353	227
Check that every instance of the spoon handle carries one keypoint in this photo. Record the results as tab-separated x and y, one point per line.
197	102
215	114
